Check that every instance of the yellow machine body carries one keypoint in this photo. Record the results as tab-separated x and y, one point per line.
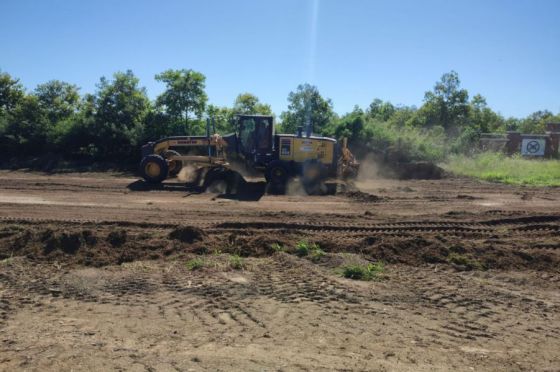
299	149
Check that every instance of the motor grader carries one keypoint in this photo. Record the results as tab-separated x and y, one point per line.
254	145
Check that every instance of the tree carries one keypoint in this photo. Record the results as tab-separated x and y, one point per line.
378	109
350	125
121	106
446	105
222	117
484	119
184	96
27	126
536	122
11	92
249	104
306	105
60	100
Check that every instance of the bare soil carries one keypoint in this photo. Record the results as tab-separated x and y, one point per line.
93	276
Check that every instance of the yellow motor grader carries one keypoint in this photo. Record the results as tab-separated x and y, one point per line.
280	157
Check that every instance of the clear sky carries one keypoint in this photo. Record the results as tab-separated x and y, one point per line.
354	51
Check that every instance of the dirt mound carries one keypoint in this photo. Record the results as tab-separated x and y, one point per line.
528	242
362	196
187	234
418	170
476	254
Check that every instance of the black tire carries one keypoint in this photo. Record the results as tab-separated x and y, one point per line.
174	165
154	168
277	173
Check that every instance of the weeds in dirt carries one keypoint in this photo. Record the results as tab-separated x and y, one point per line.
6	261
316	253
236	262
195	264
462	260
304	248
372	271
276	247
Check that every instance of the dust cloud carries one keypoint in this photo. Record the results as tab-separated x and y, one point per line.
369	169
295	188
187	174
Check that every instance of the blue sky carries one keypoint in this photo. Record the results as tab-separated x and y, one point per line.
354	51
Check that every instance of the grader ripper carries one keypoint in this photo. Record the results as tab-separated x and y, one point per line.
254	144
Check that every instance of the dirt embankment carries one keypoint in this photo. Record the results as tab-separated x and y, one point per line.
463	246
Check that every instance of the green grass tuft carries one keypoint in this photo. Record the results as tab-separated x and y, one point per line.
195	264
372	271
304	248
236	262
276	247
462	260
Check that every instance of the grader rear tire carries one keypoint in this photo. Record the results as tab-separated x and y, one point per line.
175	166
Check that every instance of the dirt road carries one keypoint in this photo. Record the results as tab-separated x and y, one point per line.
93	276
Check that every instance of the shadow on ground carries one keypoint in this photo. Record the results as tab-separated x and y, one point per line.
251	191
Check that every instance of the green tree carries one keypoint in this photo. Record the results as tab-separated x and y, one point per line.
27	126
59	99
306	105
483	118
446	105
121	106
249	104
350	125
536	122
11	92
222	117
183	97
378	109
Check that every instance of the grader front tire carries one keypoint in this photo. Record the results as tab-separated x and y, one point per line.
154	169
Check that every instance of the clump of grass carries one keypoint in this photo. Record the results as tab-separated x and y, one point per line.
6	261
195	264
372	271
317	253
304	248
276	247
514	170
462	260
236	262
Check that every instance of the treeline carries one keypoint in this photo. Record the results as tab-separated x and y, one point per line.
112	123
